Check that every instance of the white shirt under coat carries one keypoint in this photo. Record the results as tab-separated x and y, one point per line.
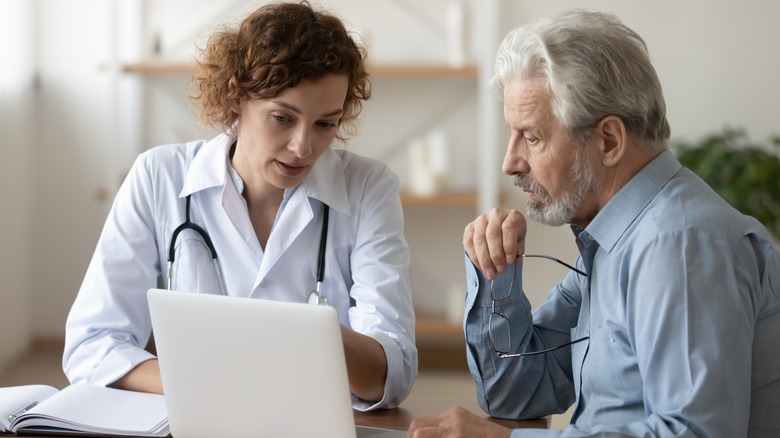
366	267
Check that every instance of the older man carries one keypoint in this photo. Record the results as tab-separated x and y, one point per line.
670	323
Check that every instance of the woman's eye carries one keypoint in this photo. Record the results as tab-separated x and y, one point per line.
326	125
278	118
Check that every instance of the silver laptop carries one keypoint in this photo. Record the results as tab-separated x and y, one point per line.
247	367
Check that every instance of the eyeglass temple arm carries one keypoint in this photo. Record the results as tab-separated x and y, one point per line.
533	353
558	261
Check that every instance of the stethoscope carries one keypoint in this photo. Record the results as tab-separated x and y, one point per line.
315	297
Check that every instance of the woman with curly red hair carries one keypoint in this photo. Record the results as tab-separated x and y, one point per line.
284	85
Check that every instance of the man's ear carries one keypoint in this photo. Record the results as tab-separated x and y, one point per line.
612	140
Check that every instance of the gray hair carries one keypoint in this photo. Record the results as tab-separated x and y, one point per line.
594	66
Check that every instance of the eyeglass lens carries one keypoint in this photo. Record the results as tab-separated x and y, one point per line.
499	329
498	324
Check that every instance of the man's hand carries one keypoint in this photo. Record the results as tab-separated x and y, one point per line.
456	422
495	240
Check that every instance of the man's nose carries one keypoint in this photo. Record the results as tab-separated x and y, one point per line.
515	160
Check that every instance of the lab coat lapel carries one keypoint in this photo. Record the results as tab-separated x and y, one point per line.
325	183
296	215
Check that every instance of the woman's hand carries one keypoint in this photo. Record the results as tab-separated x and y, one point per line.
366	365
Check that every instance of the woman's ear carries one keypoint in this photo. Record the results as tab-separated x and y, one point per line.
613	140
236	106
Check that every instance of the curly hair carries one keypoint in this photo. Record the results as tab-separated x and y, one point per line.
276	47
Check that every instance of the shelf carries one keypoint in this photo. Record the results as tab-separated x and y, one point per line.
422	70
389	70
451	199
441	344
438	326
158	68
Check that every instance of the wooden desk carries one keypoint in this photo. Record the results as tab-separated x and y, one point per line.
401	418
412	408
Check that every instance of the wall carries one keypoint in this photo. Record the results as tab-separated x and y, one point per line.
16	105
717	61
74	154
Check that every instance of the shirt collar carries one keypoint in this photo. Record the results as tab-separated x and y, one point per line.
624	207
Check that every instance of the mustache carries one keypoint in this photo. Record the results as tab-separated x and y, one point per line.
528	184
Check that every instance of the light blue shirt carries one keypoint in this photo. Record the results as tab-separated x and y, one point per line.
682	307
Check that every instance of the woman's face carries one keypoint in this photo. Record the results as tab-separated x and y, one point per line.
280	138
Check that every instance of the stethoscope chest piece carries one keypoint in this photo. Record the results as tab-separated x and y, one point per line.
317	299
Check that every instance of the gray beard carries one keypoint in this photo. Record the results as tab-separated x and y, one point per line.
559	212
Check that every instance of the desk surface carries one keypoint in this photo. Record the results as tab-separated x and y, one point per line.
413	408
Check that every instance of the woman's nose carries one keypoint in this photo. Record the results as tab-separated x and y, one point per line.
300	143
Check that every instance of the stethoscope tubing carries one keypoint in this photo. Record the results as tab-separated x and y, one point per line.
323	244
189	225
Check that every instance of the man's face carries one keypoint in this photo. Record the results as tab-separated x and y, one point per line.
552	169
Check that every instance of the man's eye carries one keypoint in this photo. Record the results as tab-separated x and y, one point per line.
278	118
531	140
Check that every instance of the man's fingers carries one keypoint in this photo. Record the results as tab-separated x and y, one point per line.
494	236
494	240
437	426
484	240
513	232
468	243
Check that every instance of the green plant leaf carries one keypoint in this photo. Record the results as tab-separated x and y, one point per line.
744	174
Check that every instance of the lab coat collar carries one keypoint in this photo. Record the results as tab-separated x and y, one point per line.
326	181
209	166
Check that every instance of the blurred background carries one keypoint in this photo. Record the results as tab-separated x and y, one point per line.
88	84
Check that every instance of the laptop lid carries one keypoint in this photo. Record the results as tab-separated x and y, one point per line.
249	367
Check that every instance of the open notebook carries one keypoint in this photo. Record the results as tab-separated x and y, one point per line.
81	409
248	367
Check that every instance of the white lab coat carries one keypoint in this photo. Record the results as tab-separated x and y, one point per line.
366	268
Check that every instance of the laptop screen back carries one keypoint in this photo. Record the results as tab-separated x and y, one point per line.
249	367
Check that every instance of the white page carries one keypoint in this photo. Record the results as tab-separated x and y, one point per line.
106	409
13	398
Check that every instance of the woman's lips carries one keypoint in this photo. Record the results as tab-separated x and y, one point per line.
289	170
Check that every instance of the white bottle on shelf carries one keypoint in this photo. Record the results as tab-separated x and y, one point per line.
455	32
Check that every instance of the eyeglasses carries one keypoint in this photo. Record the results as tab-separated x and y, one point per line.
498	323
